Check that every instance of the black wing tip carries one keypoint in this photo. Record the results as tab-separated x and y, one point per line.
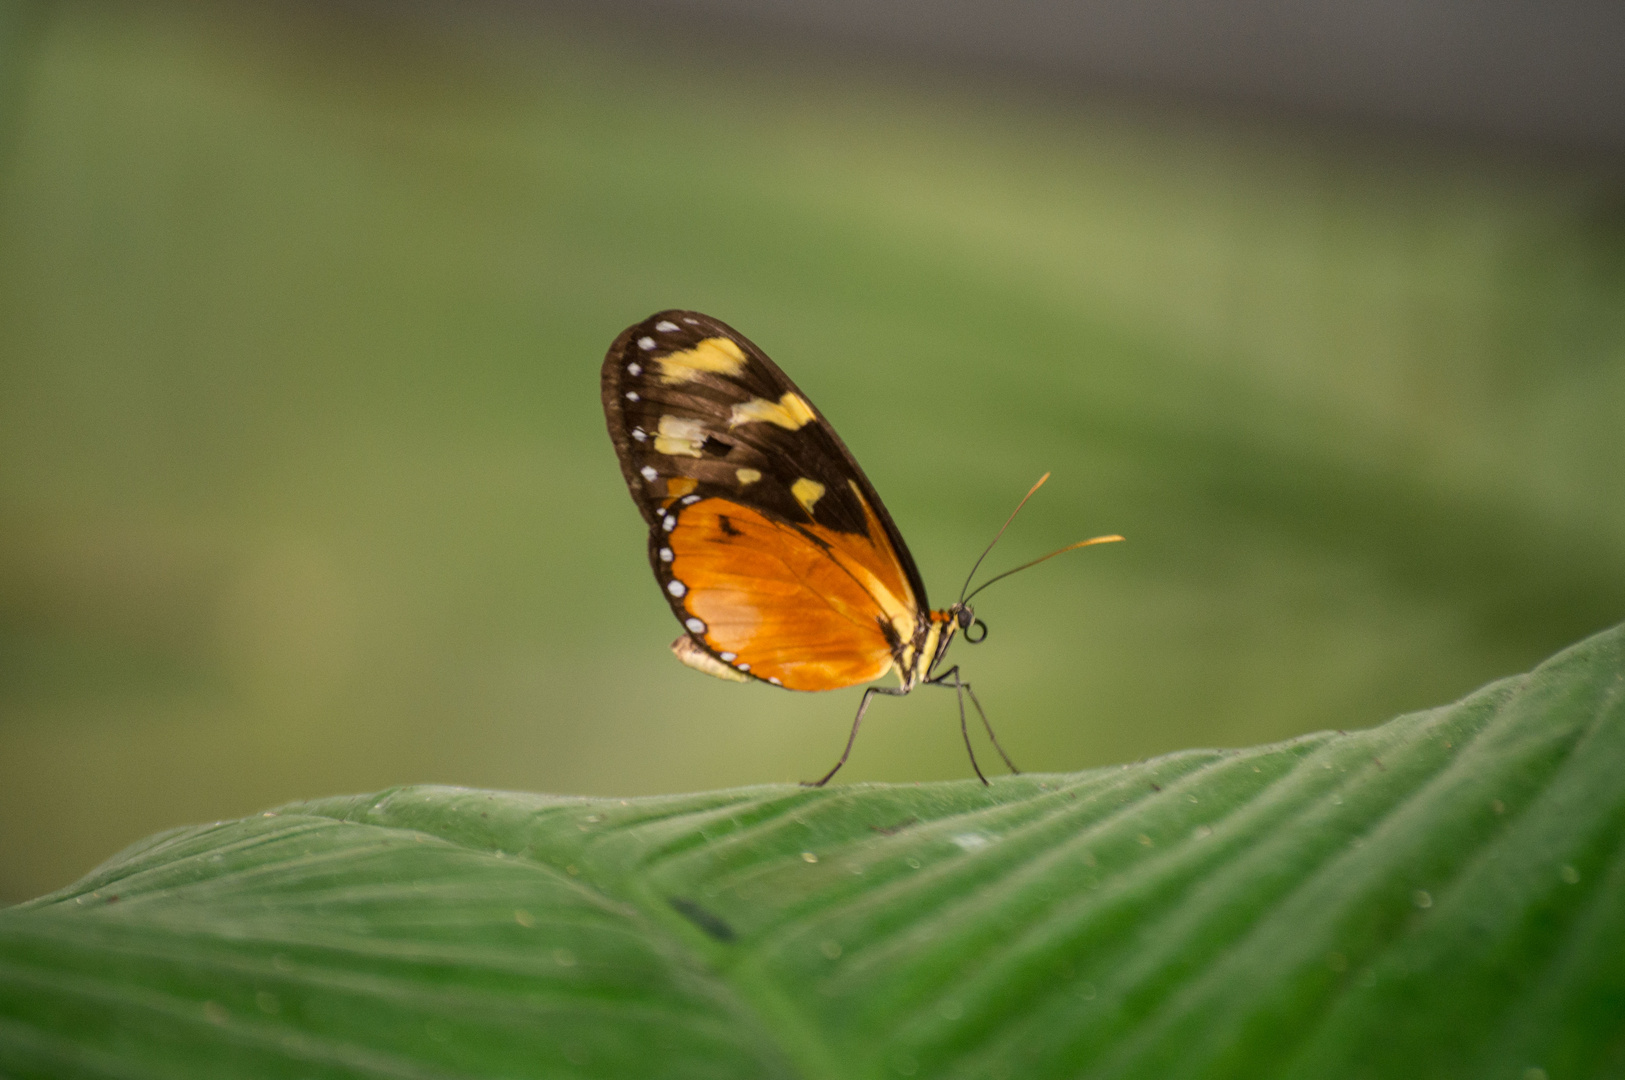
679	316
696	323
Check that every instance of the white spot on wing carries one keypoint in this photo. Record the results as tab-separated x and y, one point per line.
690	500
631	395
670	523
639	435
649	474
742	667
774	679
665	326
691	322
695	625
676	588
680	435
665	555
729	657
634	369
646	342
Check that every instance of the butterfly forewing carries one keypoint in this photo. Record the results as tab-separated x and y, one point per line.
772	547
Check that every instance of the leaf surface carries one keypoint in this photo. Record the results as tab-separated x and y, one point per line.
1441	896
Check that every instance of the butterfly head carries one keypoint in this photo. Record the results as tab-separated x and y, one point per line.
964	619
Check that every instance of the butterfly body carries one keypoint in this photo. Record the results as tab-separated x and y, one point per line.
771	546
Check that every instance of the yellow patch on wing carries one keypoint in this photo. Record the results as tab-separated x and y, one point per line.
791	412
746	477
678	436
700	660
717	354
678	486
807	493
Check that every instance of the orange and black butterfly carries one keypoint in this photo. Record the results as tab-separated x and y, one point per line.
772	547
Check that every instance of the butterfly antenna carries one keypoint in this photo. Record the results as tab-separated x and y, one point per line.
978	564
1058	551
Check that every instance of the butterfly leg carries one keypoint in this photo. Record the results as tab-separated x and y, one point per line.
959	691
957	684
863	707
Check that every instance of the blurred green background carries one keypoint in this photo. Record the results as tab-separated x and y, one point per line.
305	488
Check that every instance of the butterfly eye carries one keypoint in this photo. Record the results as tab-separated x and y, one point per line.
964	616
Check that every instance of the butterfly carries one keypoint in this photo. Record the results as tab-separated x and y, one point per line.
770	544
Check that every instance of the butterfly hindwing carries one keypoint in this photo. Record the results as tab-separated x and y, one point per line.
771	545
773	603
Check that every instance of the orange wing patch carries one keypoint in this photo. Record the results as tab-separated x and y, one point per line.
807	608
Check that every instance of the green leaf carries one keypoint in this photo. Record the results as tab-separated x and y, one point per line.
1441	896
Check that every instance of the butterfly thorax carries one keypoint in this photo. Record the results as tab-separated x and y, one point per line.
919	658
